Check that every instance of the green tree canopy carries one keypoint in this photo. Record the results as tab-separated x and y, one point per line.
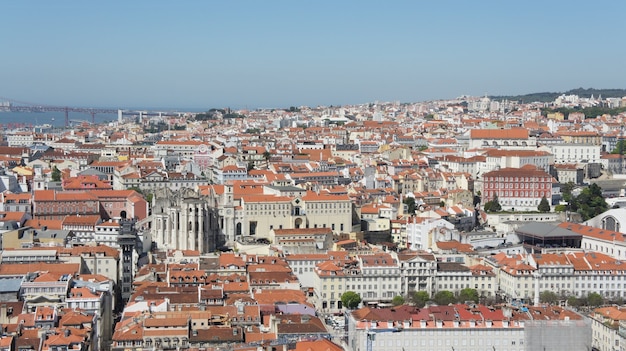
620	147
595	299
420	298
350	299
576	302
590	202
56	174
397	301
548	296
566	191
444	297
493	205
468	294
409	201
544	206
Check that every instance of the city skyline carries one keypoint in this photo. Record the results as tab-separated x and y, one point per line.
280	54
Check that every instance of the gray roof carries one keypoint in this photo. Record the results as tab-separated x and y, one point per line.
610	184
545	230
451	267
93	171
10	285
9	225
52	233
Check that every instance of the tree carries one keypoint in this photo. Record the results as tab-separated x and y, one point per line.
56	174
493	205
590	202
620	147
548	296
566	191
594	299
420	298
468	294
350	299
397	301
410	203
267	155
573	301
476	199
444	297
544	206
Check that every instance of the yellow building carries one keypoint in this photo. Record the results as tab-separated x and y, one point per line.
556	116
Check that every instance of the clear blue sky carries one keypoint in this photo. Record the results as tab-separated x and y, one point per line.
202	54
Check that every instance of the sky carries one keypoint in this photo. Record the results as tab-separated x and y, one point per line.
262	54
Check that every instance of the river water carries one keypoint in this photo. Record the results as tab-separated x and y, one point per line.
57	119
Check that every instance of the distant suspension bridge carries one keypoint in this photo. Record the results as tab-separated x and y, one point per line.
10	105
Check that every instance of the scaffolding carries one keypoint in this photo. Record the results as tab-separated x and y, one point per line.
558	335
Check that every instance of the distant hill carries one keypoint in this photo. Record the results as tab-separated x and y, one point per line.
548	97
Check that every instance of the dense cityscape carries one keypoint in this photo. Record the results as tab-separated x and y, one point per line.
463	224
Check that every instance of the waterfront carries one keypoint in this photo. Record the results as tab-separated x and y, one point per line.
56	119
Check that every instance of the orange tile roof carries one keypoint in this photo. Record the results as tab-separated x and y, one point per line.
525	171
551	259
56	224
20	196
272	296
81	220
12	216
598	233
61	268
377	260
454	245
317	345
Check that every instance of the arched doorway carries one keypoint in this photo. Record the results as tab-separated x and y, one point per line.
123	214
298	223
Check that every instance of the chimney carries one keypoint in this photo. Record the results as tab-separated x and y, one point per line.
240	307
507	312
